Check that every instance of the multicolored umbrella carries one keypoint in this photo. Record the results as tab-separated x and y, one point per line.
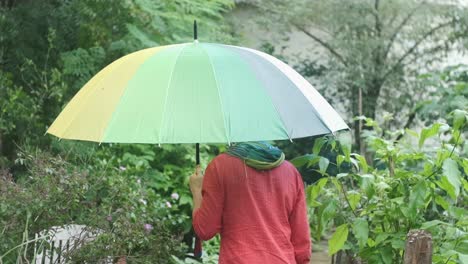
196	92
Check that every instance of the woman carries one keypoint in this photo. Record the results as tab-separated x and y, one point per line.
255	200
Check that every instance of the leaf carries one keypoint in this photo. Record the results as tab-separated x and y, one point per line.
339	160
354	198
462	247
459	118
323	164
313	191
361	231
329	212
346	152
427	225
442	202
463	258
417	198
452	173
338	239
445	185
302	160
387	255
398	243
428	132
342	175
362	162
381	237
318	144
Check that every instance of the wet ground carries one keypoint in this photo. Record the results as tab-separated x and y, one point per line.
320	254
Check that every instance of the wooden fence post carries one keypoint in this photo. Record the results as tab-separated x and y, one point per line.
418	248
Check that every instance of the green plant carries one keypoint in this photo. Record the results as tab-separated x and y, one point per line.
413	184
132	218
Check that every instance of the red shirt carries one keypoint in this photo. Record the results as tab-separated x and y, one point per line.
261	215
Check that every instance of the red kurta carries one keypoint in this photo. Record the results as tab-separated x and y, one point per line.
261	215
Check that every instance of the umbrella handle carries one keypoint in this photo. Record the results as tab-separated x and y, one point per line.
197	250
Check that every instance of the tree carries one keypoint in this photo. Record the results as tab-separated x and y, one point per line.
373	48
50	48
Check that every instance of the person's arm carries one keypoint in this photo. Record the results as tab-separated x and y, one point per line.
208	199
300	232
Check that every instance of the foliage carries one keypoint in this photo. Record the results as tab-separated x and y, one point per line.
49	49
449	91
373	48
413	185
56	192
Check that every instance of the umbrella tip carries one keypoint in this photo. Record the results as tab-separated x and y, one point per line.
195	33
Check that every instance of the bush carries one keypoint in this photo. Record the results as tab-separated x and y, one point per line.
411	185
134	220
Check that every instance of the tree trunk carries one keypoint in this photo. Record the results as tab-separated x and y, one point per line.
418	248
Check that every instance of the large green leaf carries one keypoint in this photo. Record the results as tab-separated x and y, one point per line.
323	164
329	212
338	239
428	132
303	160
313	192
427	225
459	118
416	199
354	198
452	173
318	144
362	163
445	185
361	231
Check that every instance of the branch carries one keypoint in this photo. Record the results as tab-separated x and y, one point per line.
413	48
399	27
323	43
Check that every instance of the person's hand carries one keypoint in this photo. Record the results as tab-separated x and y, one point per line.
196	181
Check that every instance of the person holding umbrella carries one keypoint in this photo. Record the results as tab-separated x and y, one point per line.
199	92
255	200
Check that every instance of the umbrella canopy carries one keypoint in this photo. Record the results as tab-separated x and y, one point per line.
196	92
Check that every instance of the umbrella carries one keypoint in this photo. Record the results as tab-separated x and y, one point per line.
196	93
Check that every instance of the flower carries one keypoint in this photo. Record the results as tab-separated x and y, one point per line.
143	201
109	218
139	181
175	196
148	228
122	168
168	204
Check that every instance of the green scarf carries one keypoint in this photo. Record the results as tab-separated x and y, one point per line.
258	155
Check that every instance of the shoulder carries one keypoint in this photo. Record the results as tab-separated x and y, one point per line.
224	158
289	169
288	165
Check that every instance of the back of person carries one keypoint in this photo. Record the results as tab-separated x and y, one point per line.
260	214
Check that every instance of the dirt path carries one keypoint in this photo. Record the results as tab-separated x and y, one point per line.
320	253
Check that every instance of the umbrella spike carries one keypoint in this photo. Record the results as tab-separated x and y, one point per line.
195	31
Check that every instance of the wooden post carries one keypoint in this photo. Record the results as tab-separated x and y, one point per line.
418	248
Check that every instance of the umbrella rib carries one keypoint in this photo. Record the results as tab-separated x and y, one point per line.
219	95
167	93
